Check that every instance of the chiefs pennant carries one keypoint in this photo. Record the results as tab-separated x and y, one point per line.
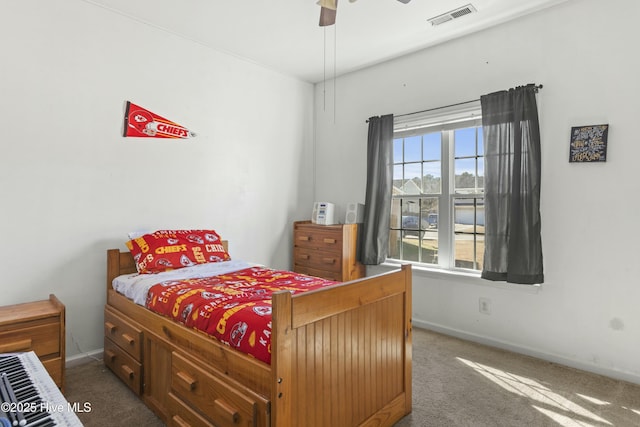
143	123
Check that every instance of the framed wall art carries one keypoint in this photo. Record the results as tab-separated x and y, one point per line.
588	144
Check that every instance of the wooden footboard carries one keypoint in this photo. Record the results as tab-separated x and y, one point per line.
341	356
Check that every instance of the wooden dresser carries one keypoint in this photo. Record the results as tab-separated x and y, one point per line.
36	326
327	251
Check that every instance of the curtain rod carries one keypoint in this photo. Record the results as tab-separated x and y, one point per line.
537	87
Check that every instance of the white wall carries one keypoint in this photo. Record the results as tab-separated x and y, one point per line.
586	313
71	186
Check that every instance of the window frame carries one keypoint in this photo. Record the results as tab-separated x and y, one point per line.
446	121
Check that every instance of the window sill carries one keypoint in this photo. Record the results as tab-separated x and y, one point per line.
461	276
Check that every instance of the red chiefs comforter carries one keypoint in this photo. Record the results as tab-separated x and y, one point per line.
235	308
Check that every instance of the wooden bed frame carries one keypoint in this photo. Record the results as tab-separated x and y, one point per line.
340	356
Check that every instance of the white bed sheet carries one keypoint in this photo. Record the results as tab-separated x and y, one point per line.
136	286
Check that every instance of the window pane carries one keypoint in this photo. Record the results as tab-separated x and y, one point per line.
465	142
431	144
429	213
429	251
429	231
398	175
432	178
409	247
394	219
397	150
465	171
412	183
480	142
413	149
469	233
410	213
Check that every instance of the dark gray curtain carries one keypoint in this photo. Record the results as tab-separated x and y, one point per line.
374	233
513	246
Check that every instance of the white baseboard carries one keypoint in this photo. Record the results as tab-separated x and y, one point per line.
576	364
81	359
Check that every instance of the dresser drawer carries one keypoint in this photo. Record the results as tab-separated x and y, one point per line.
123	365
123	333
181	415
326	238
54	368
319	260
219	402
43	339
329	275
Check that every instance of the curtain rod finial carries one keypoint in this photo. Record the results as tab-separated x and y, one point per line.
535	86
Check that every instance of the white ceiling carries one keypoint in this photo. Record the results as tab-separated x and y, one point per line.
284	35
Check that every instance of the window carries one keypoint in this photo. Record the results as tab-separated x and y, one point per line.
437	210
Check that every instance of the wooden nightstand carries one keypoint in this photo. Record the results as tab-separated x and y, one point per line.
327	251
36	326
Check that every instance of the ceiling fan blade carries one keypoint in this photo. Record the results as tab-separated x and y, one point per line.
404	1
327	17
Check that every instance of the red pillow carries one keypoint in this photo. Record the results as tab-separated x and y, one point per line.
165	250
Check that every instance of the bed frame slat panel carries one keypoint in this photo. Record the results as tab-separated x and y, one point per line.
347	353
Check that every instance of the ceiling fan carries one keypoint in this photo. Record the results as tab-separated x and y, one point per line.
328	10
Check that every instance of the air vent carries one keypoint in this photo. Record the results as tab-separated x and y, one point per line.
452	14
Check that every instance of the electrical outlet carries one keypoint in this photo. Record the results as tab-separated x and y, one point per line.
485	305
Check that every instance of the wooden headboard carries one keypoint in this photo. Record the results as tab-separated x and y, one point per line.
119	263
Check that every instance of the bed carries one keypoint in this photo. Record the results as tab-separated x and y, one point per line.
340	356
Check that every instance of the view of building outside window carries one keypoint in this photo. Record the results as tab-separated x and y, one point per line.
437	214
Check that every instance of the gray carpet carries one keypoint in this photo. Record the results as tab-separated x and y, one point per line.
455	383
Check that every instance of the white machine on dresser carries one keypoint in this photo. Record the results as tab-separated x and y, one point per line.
323	213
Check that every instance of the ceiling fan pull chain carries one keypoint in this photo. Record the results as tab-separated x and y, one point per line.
335	61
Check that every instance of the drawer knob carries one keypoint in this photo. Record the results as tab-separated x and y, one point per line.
227	410
128	371
304	256
21	345
110	355
328	240
304	238
329	260
128	338
188	380
110	326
